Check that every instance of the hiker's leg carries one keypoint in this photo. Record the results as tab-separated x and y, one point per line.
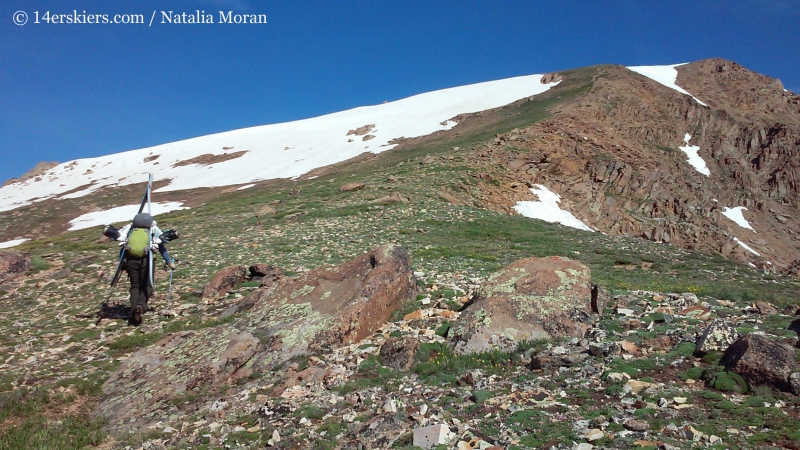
131	267
144	285
147	288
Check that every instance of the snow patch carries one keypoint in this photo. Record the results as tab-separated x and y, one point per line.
284	150
735	214
695	160
547	209
120	214
246	186
746	247
14	243
666	75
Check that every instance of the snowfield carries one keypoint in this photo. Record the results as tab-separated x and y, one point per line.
547	209
735	214
666	75
14	243
284	150
120	214
695	160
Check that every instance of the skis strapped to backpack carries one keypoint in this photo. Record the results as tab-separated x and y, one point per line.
145	202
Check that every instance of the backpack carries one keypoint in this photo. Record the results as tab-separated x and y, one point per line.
138	243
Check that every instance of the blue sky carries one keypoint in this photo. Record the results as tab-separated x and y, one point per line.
79	90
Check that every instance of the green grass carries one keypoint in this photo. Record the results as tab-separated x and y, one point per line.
35	430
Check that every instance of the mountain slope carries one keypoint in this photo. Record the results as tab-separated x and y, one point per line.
283	150
667	156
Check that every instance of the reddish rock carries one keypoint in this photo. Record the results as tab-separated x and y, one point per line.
629	347
223	281
328	306
761	361
399	352
13	264
534	298
696	312
413	315
267	273
662	342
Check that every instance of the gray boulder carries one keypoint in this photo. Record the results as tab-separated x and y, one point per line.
534	298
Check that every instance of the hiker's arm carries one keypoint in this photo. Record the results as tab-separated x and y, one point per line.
123	233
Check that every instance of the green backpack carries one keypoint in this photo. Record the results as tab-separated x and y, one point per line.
138	243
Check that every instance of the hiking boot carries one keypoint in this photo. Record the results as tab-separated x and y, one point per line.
136	317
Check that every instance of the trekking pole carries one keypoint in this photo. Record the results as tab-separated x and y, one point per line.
169	291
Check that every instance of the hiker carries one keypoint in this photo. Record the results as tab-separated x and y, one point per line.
143	231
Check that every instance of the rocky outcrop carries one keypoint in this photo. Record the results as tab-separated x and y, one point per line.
39	169
551	78
325	308
13	265
761	361
329	306
534	298
224	280
613	156
187	363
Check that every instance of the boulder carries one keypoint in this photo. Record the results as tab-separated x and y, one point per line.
186	363
224	280
534	298
13	264
761	361
329	306
351	186
716	337
765	308
399	352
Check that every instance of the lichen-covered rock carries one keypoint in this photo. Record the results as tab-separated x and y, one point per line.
13	264
399	352
534	298
224	280
190	362
761	361
794	383
717	337
329	306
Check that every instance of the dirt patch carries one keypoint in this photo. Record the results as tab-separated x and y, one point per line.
151	158
208	159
